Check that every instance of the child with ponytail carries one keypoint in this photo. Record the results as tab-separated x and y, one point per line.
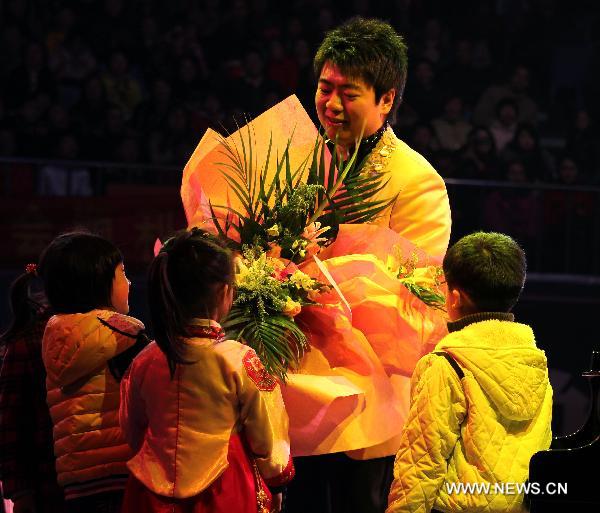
206	421
27	461
86	349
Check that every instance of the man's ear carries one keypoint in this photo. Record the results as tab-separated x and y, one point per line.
386	101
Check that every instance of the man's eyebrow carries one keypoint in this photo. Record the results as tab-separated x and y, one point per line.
345	85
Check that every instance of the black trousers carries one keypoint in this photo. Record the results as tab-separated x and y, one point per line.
335	483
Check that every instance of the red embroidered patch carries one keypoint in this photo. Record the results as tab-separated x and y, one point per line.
123	323
212	332
254	368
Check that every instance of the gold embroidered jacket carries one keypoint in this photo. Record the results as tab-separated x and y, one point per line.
421	211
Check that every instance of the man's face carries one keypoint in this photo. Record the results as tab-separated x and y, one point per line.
346	106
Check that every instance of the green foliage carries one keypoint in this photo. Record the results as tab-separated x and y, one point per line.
428	295
277	213
269	295
277	339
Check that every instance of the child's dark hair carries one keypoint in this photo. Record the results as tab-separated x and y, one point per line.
78	269
184	280
369	49
489	267
26	306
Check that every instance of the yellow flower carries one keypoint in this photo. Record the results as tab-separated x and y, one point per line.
242	271
291	307
302	280
273	231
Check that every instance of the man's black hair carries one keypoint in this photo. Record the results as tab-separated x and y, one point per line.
489	267
369	49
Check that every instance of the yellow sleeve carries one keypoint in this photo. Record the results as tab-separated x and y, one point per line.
265	421
132	409
431	431
421	212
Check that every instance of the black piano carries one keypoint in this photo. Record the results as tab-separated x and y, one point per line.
567	474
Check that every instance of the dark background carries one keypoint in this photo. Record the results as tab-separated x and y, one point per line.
102	103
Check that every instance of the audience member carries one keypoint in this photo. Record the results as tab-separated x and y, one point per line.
122	89
504	125
479	161
517	88
422	91
525	146
451	128
583	142
61	178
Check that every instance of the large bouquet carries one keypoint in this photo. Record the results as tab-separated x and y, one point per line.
279	196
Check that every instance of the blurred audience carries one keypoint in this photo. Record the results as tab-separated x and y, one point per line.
138	82
70	66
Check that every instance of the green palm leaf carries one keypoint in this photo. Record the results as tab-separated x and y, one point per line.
278	341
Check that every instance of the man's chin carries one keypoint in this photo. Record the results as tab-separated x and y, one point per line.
338	135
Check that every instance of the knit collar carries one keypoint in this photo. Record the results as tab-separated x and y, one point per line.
478	317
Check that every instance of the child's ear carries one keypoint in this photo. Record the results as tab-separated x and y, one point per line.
456	298
226	298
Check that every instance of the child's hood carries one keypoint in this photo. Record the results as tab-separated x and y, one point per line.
77	345
504	360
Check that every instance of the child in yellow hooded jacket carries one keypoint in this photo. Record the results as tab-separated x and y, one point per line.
481	403
86	348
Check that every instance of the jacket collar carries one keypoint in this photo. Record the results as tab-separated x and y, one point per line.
478	317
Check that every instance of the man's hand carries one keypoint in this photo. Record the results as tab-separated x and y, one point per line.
24	504
276	502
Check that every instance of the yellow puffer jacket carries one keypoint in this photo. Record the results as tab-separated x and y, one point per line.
83	395
480	431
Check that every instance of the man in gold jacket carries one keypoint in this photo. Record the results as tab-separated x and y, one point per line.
361	68
362	71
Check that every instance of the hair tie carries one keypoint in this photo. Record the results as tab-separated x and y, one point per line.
31	269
